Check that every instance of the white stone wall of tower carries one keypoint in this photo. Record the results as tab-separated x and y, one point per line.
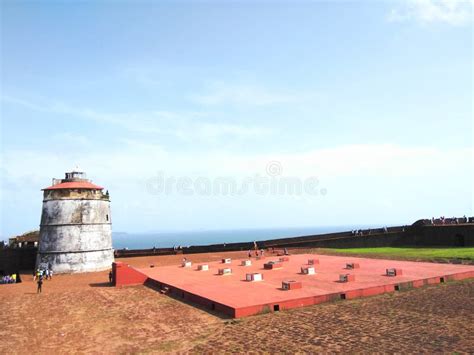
76	234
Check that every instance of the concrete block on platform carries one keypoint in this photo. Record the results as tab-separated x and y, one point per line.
346	278
246	263
272	265
351	266
203	267
187	264
291	285
256	276
226	261
308	270
394	272
225	271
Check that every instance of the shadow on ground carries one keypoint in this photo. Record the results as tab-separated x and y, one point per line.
101	284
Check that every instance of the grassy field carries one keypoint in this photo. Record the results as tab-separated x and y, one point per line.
410	253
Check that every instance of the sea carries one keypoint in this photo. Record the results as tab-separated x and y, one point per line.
122	240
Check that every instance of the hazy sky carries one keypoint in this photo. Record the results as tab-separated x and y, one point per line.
372	98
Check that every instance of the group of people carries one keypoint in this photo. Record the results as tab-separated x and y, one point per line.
10	279
261	252
453	220
258	253
41	275
179	247
360	232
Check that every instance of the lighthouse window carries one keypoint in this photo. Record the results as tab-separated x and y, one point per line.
107	217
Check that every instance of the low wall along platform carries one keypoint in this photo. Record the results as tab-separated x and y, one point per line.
286	287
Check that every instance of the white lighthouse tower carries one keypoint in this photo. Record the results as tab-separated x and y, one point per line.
76	227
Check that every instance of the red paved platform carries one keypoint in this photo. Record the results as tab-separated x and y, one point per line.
236	297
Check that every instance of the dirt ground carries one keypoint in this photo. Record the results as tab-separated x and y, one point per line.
83	314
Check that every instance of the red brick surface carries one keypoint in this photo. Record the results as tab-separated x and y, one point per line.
126	275
237	298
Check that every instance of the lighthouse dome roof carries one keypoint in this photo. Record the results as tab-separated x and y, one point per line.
85	185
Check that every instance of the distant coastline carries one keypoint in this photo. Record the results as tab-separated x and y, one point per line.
123	240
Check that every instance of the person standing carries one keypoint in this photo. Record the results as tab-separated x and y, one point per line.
40	285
